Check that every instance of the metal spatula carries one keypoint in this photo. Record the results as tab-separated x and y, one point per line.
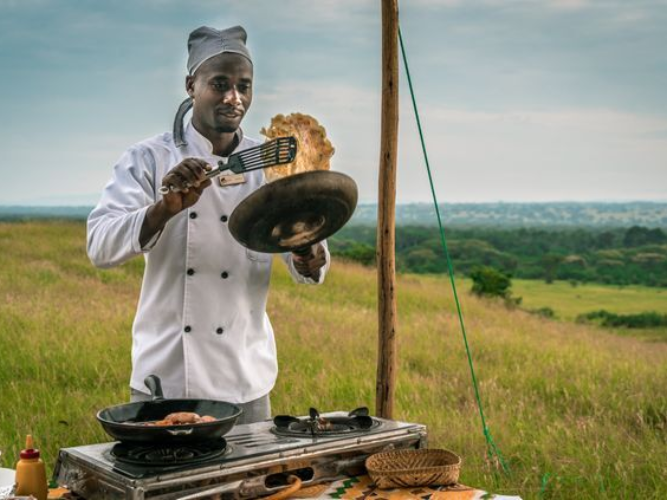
275	152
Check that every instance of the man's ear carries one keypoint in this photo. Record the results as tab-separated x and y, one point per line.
190	85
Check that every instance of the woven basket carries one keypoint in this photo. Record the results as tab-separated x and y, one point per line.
408	468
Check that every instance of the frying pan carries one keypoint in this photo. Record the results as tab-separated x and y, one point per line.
294	212
123	422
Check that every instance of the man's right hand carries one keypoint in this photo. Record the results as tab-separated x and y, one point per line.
189	179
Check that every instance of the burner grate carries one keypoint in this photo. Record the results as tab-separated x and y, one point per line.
166	455
357	421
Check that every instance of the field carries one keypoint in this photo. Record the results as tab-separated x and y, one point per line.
577	412
568	301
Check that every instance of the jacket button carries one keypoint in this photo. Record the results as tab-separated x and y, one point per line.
223	218
187	329
193	215
225	275
220	330
190	272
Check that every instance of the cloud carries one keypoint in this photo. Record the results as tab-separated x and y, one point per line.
568	4
524	154
533	155
502	4
609	122
434	4
350	114
286	15
518	97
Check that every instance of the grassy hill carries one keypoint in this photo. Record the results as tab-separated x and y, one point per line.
577	412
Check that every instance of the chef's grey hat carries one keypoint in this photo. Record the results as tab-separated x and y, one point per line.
205	42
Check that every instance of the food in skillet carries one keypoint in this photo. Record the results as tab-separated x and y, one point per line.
313	151
180	418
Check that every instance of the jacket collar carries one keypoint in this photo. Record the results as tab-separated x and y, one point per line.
198	142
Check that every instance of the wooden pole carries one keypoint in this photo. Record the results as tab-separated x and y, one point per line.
386	261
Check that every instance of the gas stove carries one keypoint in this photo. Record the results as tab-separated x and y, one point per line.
252	460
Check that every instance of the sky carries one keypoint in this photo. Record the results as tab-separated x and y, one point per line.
520	100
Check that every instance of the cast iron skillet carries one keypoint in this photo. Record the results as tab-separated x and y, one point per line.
294	212
121	422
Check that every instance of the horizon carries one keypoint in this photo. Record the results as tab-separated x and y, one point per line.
506	216
524	101
401	203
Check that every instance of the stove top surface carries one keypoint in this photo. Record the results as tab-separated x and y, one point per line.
245	444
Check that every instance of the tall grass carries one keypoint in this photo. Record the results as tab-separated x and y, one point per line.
577	412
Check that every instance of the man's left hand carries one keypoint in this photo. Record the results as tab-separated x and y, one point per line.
308	264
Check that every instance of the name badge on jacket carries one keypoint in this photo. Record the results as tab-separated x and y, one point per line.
230	180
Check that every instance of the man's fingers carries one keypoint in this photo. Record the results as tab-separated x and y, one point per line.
172	182
195	170
200	189
309	264
190	173
316	264
182	180
316	252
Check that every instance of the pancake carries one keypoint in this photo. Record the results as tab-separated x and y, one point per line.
314	150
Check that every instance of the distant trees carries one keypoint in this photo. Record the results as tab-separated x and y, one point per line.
490	282
649	319
551	263
606	239
360	252
638	236
621	256
422	260
545	312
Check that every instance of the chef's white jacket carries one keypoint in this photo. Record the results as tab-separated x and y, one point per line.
201	323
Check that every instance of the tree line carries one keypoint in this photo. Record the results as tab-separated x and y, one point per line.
621	256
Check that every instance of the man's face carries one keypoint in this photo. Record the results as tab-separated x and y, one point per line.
222	92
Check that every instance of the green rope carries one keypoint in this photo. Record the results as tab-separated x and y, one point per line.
492	449
543	485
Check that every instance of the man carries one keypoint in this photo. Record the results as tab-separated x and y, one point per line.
201	322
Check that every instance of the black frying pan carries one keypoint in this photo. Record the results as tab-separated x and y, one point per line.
294	212
122	422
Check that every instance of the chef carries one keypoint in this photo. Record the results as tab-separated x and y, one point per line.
201	322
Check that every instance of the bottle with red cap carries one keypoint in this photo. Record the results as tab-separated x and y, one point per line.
31	473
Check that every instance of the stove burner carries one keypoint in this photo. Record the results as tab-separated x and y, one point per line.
356	421
165	455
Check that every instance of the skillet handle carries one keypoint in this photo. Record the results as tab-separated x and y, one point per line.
155	386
